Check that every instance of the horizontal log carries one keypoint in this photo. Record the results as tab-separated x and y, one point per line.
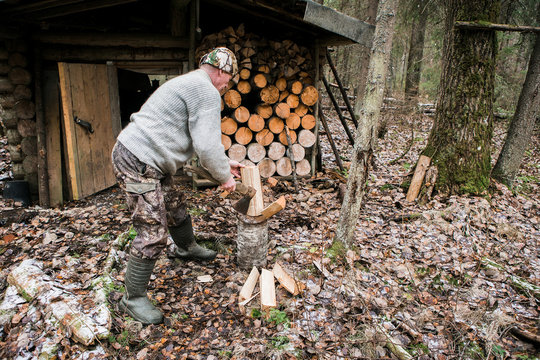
237	152
469	25
267	167
243	135
82	53
256	122
264	137
256	152
111	39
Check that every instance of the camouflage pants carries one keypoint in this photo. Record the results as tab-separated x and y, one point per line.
153	200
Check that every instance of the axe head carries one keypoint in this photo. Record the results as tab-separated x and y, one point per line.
242	205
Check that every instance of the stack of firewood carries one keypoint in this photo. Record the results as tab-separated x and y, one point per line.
269	106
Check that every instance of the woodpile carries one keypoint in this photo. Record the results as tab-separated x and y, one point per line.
273	95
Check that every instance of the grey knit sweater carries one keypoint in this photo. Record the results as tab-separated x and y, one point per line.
182	117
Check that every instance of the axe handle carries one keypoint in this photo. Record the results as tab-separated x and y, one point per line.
240	187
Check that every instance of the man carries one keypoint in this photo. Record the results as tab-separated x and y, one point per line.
180	119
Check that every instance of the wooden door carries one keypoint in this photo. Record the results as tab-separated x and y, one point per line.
90	123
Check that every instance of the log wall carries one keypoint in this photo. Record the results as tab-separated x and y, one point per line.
273	92
17	110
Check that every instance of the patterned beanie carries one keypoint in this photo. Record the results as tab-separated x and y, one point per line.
221	58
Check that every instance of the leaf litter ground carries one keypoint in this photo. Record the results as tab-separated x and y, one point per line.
444	280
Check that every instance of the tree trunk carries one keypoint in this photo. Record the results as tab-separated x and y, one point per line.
371	12
459	143
416	52
522	125
366	134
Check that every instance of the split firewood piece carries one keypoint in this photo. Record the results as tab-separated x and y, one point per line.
241	114
232	99
256	152
251	177
418	177
264	69
283	95
267	167
259	81
281	84
293	101
293	121
276	125
256	122
247	289
264	110
297	152
245	74
282	110
306	138
284	166
296	87
268	292
226	141
301	110
243	135
264	137
270	94
303	167
243	87
276	151
272	181
309	95
286	280
308	121
228	125
237	152
283	137
272	209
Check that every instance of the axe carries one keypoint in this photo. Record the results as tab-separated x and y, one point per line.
248	192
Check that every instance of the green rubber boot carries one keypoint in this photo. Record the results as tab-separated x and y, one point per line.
186	245
135	301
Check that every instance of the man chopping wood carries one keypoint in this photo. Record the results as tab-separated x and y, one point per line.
180	119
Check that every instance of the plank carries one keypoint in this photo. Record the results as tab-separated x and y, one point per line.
272	209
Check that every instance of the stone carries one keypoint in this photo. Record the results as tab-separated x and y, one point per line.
17	59
7	101
13	137
18	171
19	76
15	153
27	127
4	68
9	118
29	145
30	164
22	92
25	109
5	85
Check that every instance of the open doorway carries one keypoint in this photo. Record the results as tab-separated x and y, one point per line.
134	88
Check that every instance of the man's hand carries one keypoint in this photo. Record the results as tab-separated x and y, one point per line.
235	167
229	185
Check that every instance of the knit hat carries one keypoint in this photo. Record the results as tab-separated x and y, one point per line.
221	58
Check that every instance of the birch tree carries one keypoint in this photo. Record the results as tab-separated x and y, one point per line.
366	134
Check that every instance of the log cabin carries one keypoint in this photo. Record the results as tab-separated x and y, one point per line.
72	72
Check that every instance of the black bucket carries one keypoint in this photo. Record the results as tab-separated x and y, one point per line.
17	190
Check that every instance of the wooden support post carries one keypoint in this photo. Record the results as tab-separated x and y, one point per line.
332	144
341	88
41	130
338	110
416	182
251	177
268	292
